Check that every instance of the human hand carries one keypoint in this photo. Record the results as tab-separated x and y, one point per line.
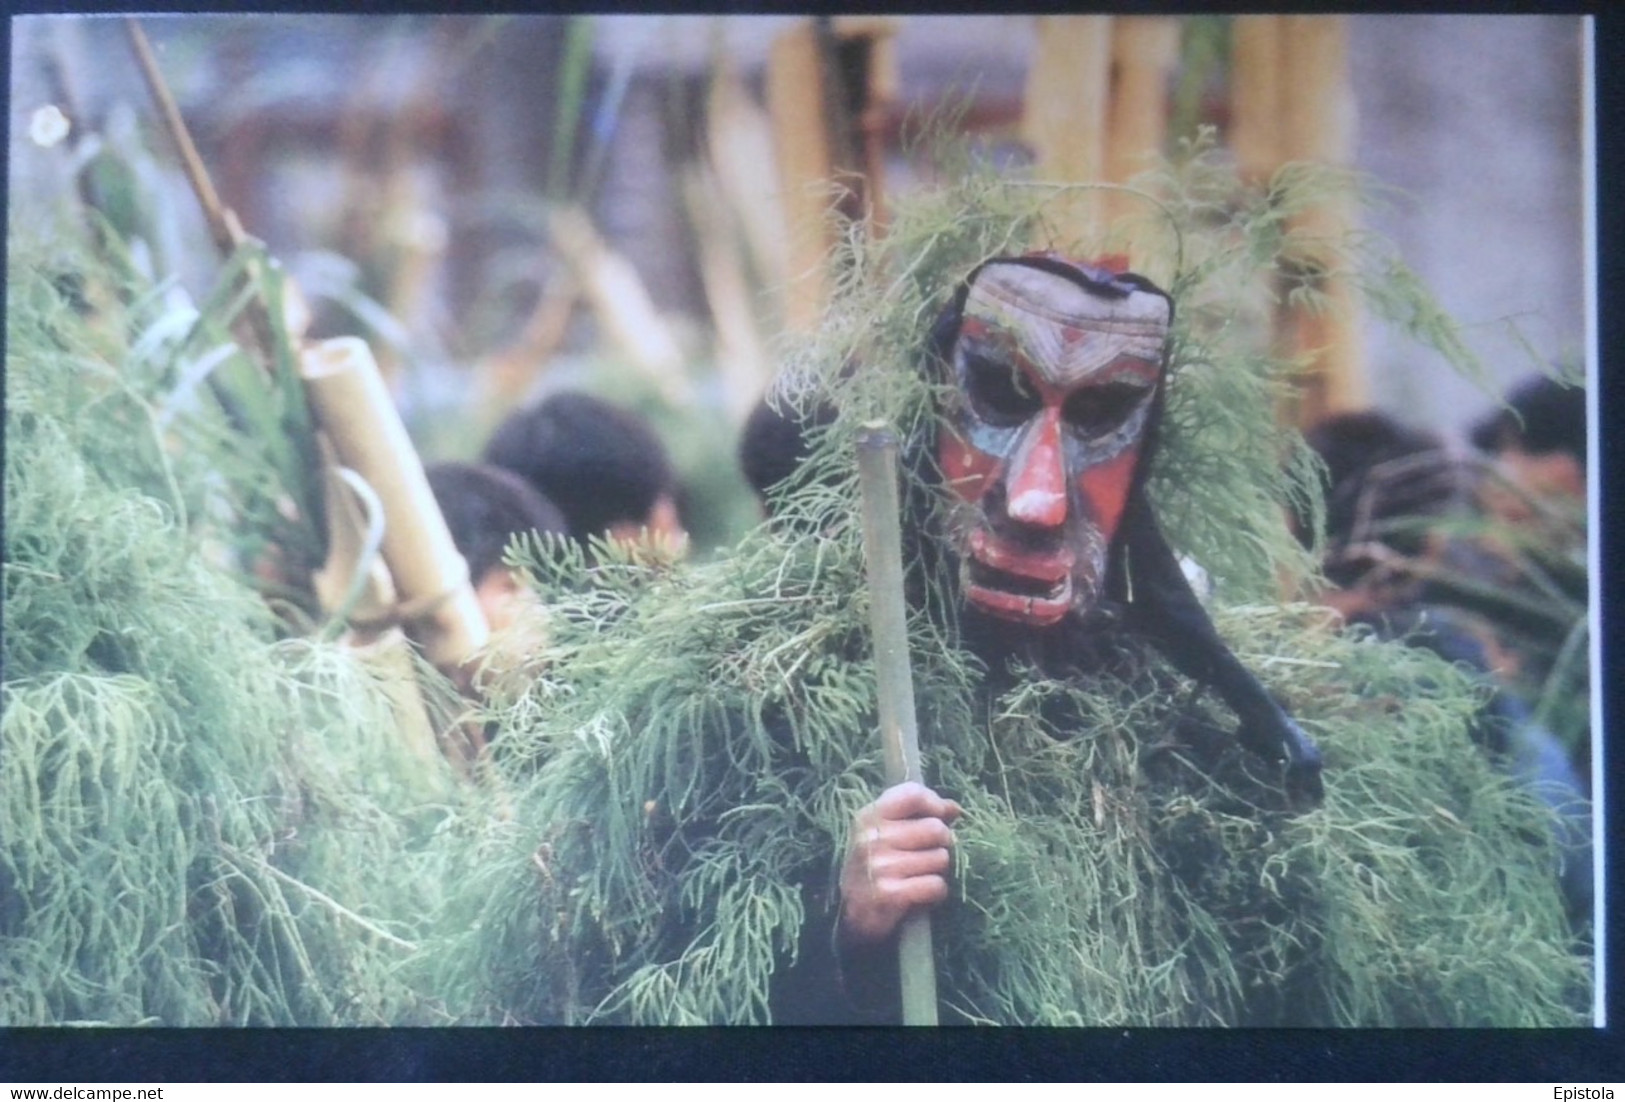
896	859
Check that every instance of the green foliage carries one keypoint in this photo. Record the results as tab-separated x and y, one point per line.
199	825
684	770
157	371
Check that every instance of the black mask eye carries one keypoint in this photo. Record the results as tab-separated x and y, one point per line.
1096	410
997	391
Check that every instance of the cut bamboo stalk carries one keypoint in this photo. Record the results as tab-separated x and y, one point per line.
350	401
1064	115
389	654
899	735
796	103
331	362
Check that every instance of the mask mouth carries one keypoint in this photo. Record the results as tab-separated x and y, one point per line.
1032	587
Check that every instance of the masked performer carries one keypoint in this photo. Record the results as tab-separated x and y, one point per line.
1056	372
1122	825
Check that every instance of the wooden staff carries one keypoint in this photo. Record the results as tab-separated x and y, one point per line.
224	228
899	737
223	224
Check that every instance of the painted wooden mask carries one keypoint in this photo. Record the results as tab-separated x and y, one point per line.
1057	366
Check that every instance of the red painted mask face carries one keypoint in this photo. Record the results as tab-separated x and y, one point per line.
1055	384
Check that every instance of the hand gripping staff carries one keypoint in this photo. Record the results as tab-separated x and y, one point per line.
899	737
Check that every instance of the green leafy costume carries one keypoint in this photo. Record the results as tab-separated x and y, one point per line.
206	821
685	771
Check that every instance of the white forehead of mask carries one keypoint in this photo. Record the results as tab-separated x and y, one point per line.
1065	330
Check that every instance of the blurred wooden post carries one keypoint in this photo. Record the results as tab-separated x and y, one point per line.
503	377
1145	52
1255	95
349	399
739	149
1064	117
620	302
821	150
881	85
1318	125
795	99
1292	101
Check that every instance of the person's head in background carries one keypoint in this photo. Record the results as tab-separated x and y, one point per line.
603	466
1539	440
485	508
774	442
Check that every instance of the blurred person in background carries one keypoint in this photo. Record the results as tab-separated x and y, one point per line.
1534	492
1401	562
1538	441
603	466
777	437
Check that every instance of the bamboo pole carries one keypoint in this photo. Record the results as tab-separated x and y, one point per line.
1318	125
353	584
224	228
349	398
1064	115
899	736
806	160
223	224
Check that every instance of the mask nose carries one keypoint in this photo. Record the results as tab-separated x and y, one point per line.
1035	485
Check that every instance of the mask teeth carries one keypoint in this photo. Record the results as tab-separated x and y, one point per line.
983	576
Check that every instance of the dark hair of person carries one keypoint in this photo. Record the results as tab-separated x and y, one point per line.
774	443
1541	416
598	463
1377	472
485	507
